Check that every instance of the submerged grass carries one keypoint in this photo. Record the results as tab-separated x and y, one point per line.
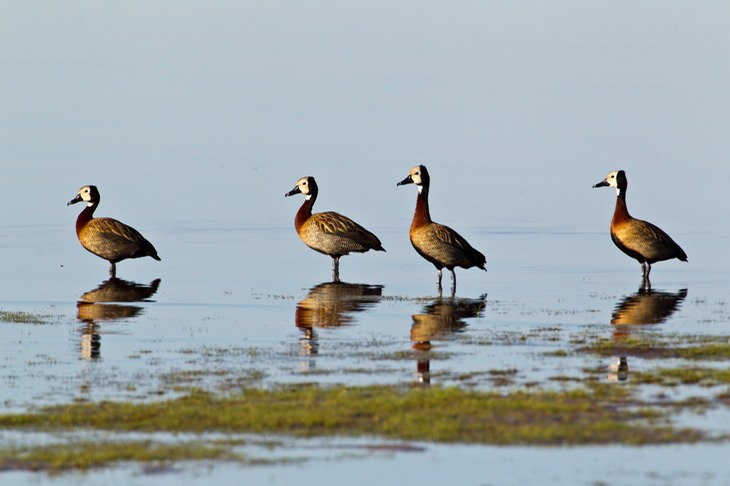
598	415
19	317
703	348
88	455
689	375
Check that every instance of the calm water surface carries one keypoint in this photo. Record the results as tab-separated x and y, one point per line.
279	319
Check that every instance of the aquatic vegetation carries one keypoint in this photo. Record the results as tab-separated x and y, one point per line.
19	317
85	455
704	348
601	414
683	376
716	351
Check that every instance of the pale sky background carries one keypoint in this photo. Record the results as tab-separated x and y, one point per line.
206	113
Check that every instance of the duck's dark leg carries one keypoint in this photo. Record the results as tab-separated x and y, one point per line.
113	270
645	269
453	282
336	269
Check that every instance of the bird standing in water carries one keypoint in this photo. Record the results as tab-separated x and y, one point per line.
438	244
108	238
639	239
330	233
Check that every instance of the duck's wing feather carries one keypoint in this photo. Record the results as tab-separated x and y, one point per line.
335	224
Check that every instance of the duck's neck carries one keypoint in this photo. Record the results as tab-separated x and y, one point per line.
422	216
620	213
86	215
305	212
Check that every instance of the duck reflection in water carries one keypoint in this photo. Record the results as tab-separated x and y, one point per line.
331	304
440	319
98	305
646	306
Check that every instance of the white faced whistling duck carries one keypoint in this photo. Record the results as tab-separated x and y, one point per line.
108	238
638	239
437	243
330	233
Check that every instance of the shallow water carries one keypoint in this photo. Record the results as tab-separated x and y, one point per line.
271	321
366	460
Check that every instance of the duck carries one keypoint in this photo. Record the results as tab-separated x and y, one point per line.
108	238
438	244
329	232
637	238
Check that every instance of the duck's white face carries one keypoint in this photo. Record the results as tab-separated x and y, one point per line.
85	193
418	176
611	179
303	185
306	186
415	174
